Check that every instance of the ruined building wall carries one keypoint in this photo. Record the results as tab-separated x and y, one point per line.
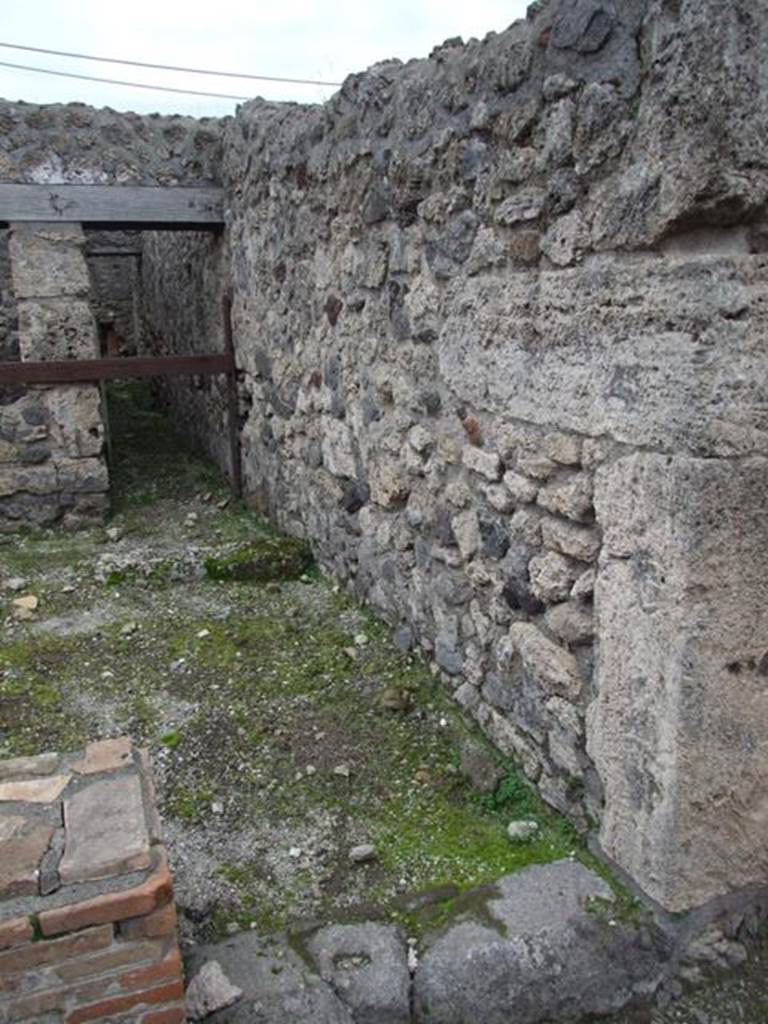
193	266
500	317
9	329
52	459
114	268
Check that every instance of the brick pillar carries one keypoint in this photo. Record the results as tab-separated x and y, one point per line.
679	728
52	465
87	920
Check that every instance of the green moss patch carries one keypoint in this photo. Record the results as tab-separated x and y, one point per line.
268	560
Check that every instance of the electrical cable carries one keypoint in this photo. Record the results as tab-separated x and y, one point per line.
168	67
114	81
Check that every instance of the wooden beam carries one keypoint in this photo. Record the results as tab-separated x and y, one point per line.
144	206
73	371
111	253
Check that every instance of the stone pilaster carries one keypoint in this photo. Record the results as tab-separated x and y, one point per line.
679	728
51	459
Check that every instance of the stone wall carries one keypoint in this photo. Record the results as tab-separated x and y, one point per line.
114	267
193	265
499	317
52	465
77	144
9	331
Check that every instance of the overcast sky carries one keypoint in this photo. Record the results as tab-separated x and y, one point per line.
292	38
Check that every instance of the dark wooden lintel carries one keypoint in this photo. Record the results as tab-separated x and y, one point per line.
72	371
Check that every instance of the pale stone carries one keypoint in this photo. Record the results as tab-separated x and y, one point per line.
576	541
499	497
570	497
565	751
47	261
594	451
420	439
552	668
58	328
20	857
551	576
210	990
388	484
105	756
524	205
487	464
566	240
76	426
34	791
337	448
525	524
522	490
26	767
458	494
10	825
538	466
562	448
584	587
466	530
363	853
629	375
678	728
106	831
521	831
571	622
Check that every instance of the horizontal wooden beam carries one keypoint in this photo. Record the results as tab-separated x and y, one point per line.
75	371
109	205
111	253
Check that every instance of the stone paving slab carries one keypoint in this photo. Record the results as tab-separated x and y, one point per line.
105	756
34	791
106	831
20	857
28	767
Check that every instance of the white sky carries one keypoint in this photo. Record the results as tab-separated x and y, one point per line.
292	38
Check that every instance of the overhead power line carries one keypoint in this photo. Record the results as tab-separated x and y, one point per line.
168	67
114	81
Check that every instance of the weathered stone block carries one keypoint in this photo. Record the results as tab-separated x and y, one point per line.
553	669
47	261
567	538
57	328
552	576
679	724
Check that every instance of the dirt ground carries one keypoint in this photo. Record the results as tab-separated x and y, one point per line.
284	725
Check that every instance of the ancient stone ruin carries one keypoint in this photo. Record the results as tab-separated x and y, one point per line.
498	319
87	921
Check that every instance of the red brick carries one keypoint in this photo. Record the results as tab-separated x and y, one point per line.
37	954
114	1005
152	926
145	977
14	932
170	1015
34	1005
113	906
122	955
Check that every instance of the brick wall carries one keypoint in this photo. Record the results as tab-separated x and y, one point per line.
87	920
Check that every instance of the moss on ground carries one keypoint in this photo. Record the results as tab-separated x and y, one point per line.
267	707
267	560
